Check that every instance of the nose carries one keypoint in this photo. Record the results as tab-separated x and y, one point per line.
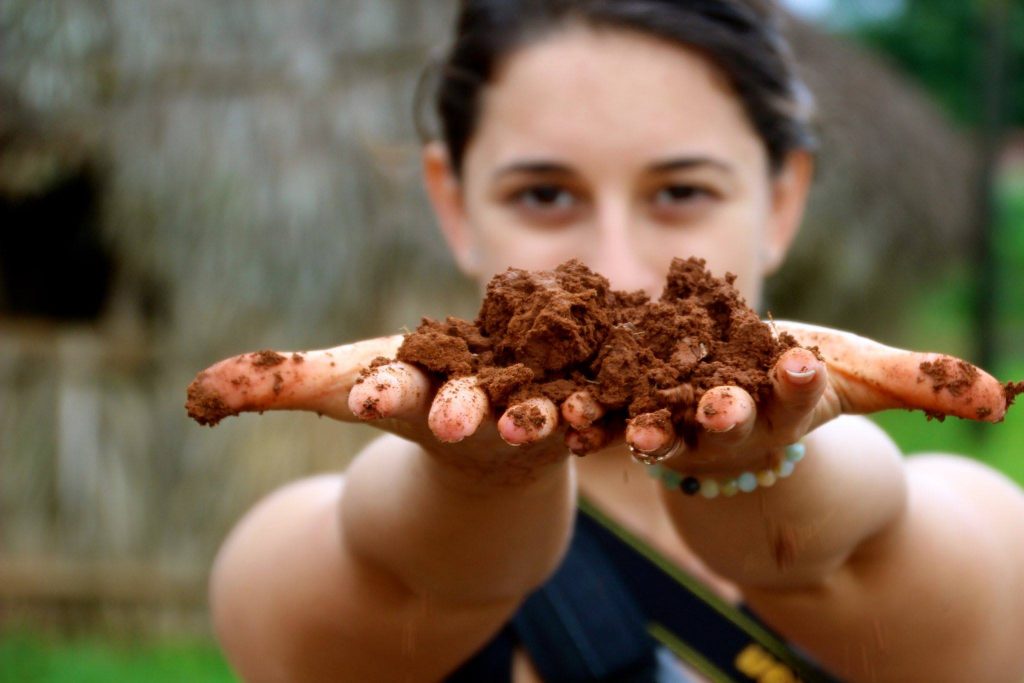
617	252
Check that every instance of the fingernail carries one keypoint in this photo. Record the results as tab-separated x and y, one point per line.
802	376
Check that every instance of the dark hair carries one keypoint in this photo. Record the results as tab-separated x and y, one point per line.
742	37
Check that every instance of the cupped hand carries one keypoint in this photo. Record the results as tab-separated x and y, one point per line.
844	374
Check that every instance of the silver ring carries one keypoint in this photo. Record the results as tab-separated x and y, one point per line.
659	455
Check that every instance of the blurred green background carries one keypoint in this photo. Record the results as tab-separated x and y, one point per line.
223	178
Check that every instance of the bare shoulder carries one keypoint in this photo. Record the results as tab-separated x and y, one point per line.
281	573
962	547
291	603
951	568
967	476
934	595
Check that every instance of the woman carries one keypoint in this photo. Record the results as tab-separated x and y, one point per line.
622	133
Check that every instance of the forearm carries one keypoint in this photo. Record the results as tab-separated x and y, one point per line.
850	486
453	533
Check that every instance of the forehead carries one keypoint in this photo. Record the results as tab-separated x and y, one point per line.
592	93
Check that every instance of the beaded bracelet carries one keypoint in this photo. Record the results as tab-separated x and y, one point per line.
746	482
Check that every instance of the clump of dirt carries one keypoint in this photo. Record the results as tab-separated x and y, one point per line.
1013	390
205	406
955	376
266	359
550	333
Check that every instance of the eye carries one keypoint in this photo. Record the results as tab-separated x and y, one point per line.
681	202
679	193
548	196
546	204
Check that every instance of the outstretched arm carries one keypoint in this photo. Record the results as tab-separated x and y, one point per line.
883	568
402	568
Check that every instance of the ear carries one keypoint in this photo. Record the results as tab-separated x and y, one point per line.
445	193
790	187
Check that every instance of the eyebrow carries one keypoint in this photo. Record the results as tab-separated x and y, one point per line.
684	163
542	167
533	167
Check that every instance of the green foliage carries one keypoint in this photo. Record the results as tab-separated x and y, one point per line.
942	44
1011	234
25	657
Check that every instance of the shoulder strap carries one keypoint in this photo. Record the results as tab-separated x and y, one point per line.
583	625
721	641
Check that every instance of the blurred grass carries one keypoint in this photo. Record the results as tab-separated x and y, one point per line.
940	320
34	658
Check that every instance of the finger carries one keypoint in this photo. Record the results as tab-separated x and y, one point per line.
587	440
652	438
867	377
581	409
458	409
529	421
651	433
392	390
799	379
727	414
318	381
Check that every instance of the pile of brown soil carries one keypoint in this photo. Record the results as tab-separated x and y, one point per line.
551	333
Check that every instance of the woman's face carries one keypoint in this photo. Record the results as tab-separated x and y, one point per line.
620	150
